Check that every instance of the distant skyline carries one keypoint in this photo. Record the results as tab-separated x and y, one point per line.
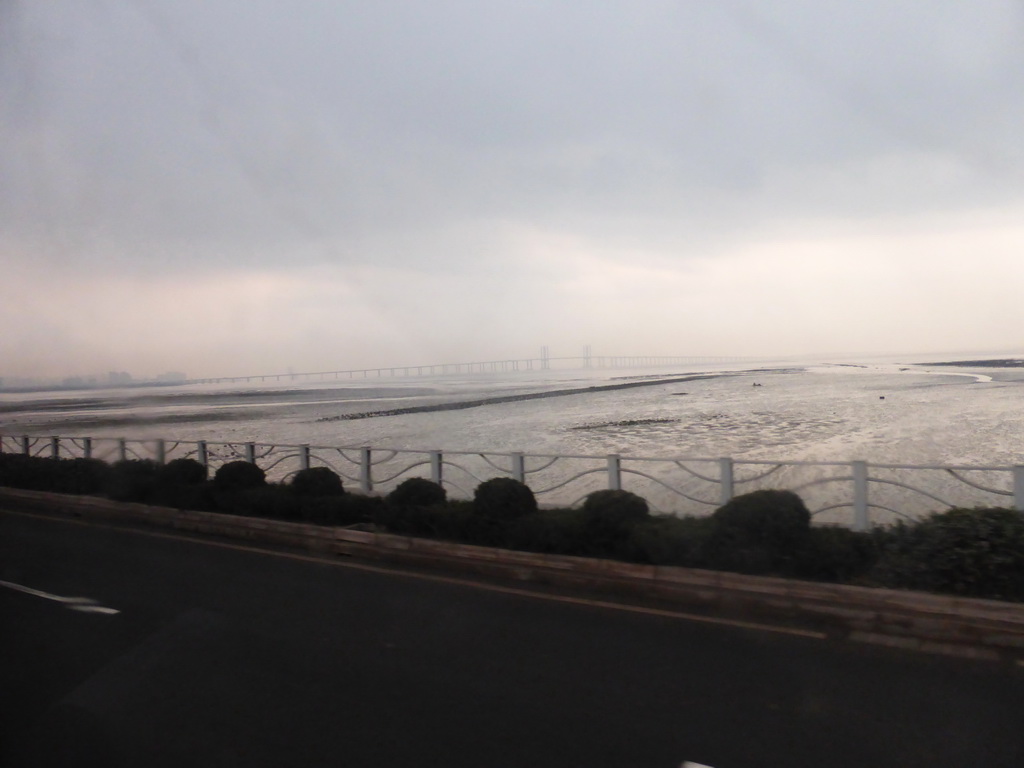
241	188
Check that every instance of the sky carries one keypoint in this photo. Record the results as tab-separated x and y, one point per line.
248	187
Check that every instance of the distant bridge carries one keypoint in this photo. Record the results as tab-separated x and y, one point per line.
542	363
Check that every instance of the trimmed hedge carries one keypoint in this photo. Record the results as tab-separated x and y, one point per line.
975	552
239	476
764	532
183	472
417	492
972	552
317	481
503	499
133	480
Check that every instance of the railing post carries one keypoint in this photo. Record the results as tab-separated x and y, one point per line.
250	452
436	463
614	472
860	496
519	467
203	454
26	448
725	473
87	447
161	452
365	470
122	449
1018	487
303	457
54	447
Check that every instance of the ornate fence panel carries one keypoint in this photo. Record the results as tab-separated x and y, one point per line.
854	493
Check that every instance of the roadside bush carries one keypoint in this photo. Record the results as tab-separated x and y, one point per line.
26	472
608	517
455	521
361	509
346	509
239	475
81	476
503	499
273	501
669	540
417	492
619	506
833	553
317	481
549	531
975	552
133	480
764	532
183	472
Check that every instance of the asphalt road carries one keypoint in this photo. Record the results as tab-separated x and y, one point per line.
221	656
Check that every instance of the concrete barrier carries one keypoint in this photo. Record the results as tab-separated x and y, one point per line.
975	628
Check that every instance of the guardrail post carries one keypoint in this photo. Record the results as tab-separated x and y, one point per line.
122	449
1018	488
250	452
204	456
860	496
26	448
436	462
519	467
161	452
726	479
55	447
87	447
614	472
365	470
303	457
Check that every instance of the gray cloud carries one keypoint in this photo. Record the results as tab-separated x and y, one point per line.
450	138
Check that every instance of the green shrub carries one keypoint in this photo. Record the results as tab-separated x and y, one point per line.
976	552
608	517
417	492
669	540
81	476
317	481
273	501
360	509
763	532
183	472
29	472
239	475
833	553
133	480
346	509
616	505
201	498
503	499
550	531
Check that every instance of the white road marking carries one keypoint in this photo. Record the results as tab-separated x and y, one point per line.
81	604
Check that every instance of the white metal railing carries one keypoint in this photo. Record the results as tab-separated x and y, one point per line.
853	493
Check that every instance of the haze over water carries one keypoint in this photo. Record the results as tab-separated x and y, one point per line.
825	412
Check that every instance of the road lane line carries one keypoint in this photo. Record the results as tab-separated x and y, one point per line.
81	604
682	615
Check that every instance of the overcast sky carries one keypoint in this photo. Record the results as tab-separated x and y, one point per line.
247	186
